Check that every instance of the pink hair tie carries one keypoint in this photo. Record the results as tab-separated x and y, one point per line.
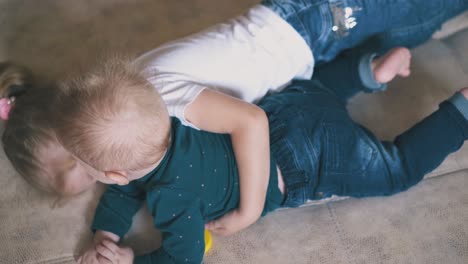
5	107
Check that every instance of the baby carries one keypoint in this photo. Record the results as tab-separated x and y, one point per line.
193	176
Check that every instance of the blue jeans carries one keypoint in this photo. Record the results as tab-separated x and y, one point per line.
331	26
321	151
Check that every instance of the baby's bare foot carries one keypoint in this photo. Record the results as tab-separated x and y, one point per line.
464	92
395	62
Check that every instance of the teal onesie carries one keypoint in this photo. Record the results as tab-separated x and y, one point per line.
197	181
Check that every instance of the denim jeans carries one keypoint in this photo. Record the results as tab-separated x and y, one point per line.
321	151
331	26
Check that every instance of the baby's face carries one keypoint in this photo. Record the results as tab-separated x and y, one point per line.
66	174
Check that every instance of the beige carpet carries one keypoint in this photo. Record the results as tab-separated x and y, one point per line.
427	224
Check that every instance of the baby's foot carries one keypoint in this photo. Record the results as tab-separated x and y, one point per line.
464	92
395	62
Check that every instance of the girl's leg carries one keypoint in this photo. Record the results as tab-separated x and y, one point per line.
420	23
370	167
331	26
390	23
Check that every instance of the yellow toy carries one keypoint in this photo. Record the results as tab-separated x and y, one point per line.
208	241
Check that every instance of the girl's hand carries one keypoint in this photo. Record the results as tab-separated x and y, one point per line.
110	253
230	223
248	127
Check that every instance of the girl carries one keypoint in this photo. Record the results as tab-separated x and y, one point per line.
29	141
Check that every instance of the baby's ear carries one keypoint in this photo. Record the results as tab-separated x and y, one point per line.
118	177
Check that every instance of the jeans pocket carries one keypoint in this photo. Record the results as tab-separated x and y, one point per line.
295	146
348	149
296	177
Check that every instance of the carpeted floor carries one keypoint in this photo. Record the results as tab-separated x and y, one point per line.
427	224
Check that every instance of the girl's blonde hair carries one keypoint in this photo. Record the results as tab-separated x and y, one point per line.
28	128
112	118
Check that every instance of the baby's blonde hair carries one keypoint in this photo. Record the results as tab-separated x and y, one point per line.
112	118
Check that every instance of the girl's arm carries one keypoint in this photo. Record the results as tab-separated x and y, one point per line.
248	126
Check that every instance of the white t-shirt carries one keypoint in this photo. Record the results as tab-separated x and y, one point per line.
245	57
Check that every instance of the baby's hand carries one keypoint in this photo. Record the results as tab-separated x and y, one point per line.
230	223
110	253
90	256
